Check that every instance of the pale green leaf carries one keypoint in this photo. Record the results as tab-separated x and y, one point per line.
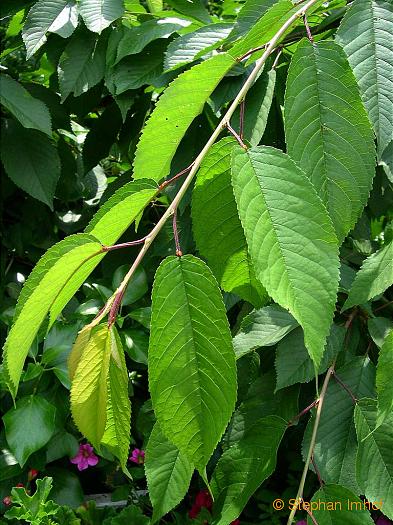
168	473
374	460
192	370
77	350
40	290
155	5
290	239
293	364
135	39
30	160
384	380
31	112
89	390
328	132
257	103
373	278
264	327
180	103
32	413
99	14
107	225
56	16
365	34
217	228
249	14
336	505
82	64
192	46
244	466
335	447
265	27
118	411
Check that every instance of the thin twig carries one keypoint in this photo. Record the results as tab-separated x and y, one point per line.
345	387
303	412
123	245
321	482
389	303
179	253
197	162
312	442
251	52
241	119
311	515
279	51
308	30
177	176
237	137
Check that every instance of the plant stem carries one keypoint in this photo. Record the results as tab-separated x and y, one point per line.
237	137
198	161
311	516
179	253
308	30
345	387
303	412
312	442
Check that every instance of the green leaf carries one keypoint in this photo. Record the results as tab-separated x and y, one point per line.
89	390
31	112
192	8
384	380
249	14
218	231
82	64
39	292
378	328
192	370
257	103
35	414
136	38
168	473
62	444
130	515
137	286
335	447
244	466
374	460
293	364
265	28
55	16
117	430
328	132
99	14
364	34
336	505
192	46
373	278
264	327
30	160
290	239
181	102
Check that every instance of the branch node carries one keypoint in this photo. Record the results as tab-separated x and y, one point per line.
237	136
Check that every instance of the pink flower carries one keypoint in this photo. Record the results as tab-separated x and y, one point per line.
85	457
137	456
383	521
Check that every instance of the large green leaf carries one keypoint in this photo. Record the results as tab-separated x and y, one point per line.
290	239
168	473
373	278
336	505
135	39
218	231
107	225
99	14
29	426
192	46
181	102
335	447
374	461
82	64
257	106
328	132
89	390
192	371
31	112
264	327
244	466
30	160
365	34
293	364
249	14
56	16
384	380
40	290
118	411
